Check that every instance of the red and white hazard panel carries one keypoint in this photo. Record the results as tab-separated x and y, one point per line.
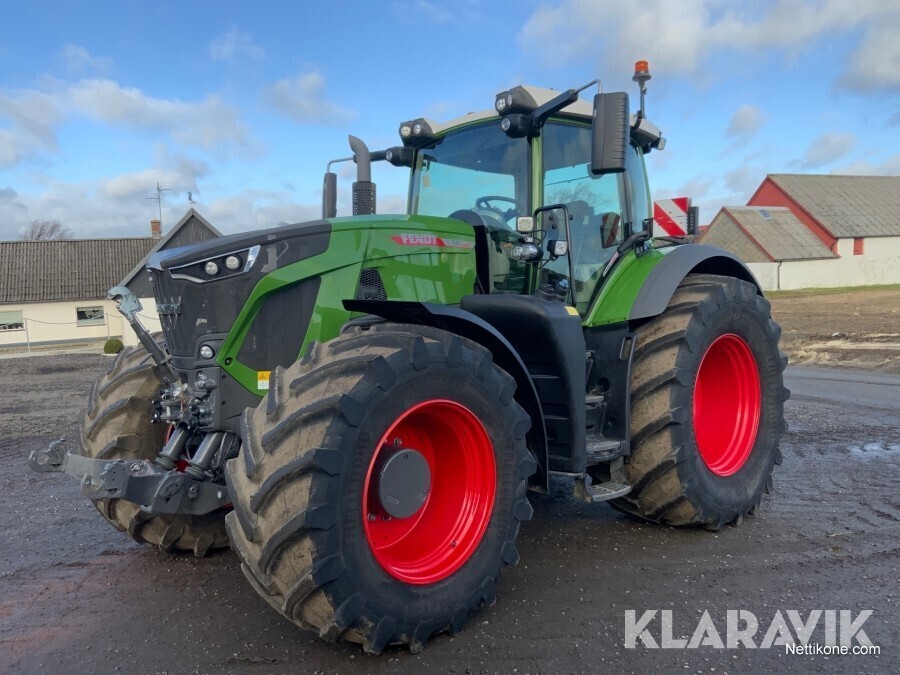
670	217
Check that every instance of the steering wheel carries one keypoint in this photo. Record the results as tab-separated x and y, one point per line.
484	203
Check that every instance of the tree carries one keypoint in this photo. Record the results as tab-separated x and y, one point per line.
44	230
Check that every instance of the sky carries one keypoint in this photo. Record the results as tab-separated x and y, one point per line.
239	106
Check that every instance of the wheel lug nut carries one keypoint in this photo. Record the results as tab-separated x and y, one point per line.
452	544
398	442
371	516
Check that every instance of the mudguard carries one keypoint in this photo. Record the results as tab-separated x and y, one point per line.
678	262
466	324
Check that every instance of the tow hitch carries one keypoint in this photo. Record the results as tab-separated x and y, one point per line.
140	481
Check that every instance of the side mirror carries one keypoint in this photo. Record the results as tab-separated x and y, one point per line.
609	133
329	195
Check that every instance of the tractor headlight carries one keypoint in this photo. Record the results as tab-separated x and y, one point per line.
222	266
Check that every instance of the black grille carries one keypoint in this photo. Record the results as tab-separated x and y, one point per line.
277	332
192	311
370	286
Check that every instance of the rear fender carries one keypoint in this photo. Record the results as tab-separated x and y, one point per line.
672	268
467	325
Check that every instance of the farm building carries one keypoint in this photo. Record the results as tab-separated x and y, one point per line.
54	292
808	231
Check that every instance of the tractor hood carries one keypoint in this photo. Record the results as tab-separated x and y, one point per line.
223	246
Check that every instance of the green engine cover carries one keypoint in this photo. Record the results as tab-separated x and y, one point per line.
419	258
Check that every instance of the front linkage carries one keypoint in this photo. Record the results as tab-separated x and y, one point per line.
140	481
165	484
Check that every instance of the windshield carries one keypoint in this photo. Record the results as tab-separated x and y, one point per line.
477	168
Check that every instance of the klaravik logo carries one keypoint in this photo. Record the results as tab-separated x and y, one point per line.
836	630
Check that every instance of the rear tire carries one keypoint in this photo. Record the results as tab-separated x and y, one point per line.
117	425
707	406
313	537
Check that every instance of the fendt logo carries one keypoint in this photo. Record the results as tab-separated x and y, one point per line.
419	239
834	631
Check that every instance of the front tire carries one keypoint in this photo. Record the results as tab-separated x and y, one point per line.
311	524
117	425
707	406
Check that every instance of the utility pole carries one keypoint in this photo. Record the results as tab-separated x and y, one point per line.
158	198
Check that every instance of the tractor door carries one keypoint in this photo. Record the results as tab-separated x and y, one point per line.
603	210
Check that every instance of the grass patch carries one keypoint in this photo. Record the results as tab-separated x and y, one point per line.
831	291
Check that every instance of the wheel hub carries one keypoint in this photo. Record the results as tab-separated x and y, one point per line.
429	491
404	483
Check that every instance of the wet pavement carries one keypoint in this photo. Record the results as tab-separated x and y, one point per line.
76	596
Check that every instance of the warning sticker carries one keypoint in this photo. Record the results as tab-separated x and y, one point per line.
572	310
262	379
424	239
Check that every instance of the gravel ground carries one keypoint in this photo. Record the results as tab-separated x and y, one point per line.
76	596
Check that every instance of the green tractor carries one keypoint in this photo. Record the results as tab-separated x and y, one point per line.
358	406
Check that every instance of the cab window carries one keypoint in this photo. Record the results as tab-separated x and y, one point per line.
594	204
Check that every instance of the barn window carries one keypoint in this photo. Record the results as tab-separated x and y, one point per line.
12	320
90	316
857	246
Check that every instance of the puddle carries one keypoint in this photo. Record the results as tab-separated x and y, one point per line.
875	450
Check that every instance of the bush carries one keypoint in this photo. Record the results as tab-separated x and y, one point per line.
113	346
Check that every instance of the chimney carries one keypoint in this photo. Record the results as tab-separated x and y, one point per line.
155	229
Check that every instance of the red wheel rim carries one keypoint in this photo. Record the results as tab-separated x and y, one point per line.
727	404
441	536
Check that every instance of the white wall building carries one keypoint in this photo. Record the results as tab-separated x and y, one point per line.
810	231
54	292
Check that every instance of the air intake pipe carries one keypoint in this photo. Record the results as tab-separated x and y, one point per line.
363	188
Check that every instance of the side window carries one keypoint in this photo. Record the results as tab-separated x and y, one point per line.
594	204
640	194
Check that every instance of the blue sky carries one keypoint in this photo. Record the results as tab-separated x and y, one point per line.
243	104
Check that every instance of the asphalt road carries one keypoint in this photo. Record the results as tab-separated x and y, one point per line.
78	597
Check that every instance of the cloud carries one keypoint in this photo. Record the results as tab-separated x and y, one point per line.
744	179
827	148
696	188
677	36
32	116
77	60
888	167
301	99
876	63
234	44
115	206
8	194
206	124
746	121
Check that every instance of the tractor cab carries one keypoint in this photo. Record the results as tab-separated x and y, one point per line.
536	201
553	185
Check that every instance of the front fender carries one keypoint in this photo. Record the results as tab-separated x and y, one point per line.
468	325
